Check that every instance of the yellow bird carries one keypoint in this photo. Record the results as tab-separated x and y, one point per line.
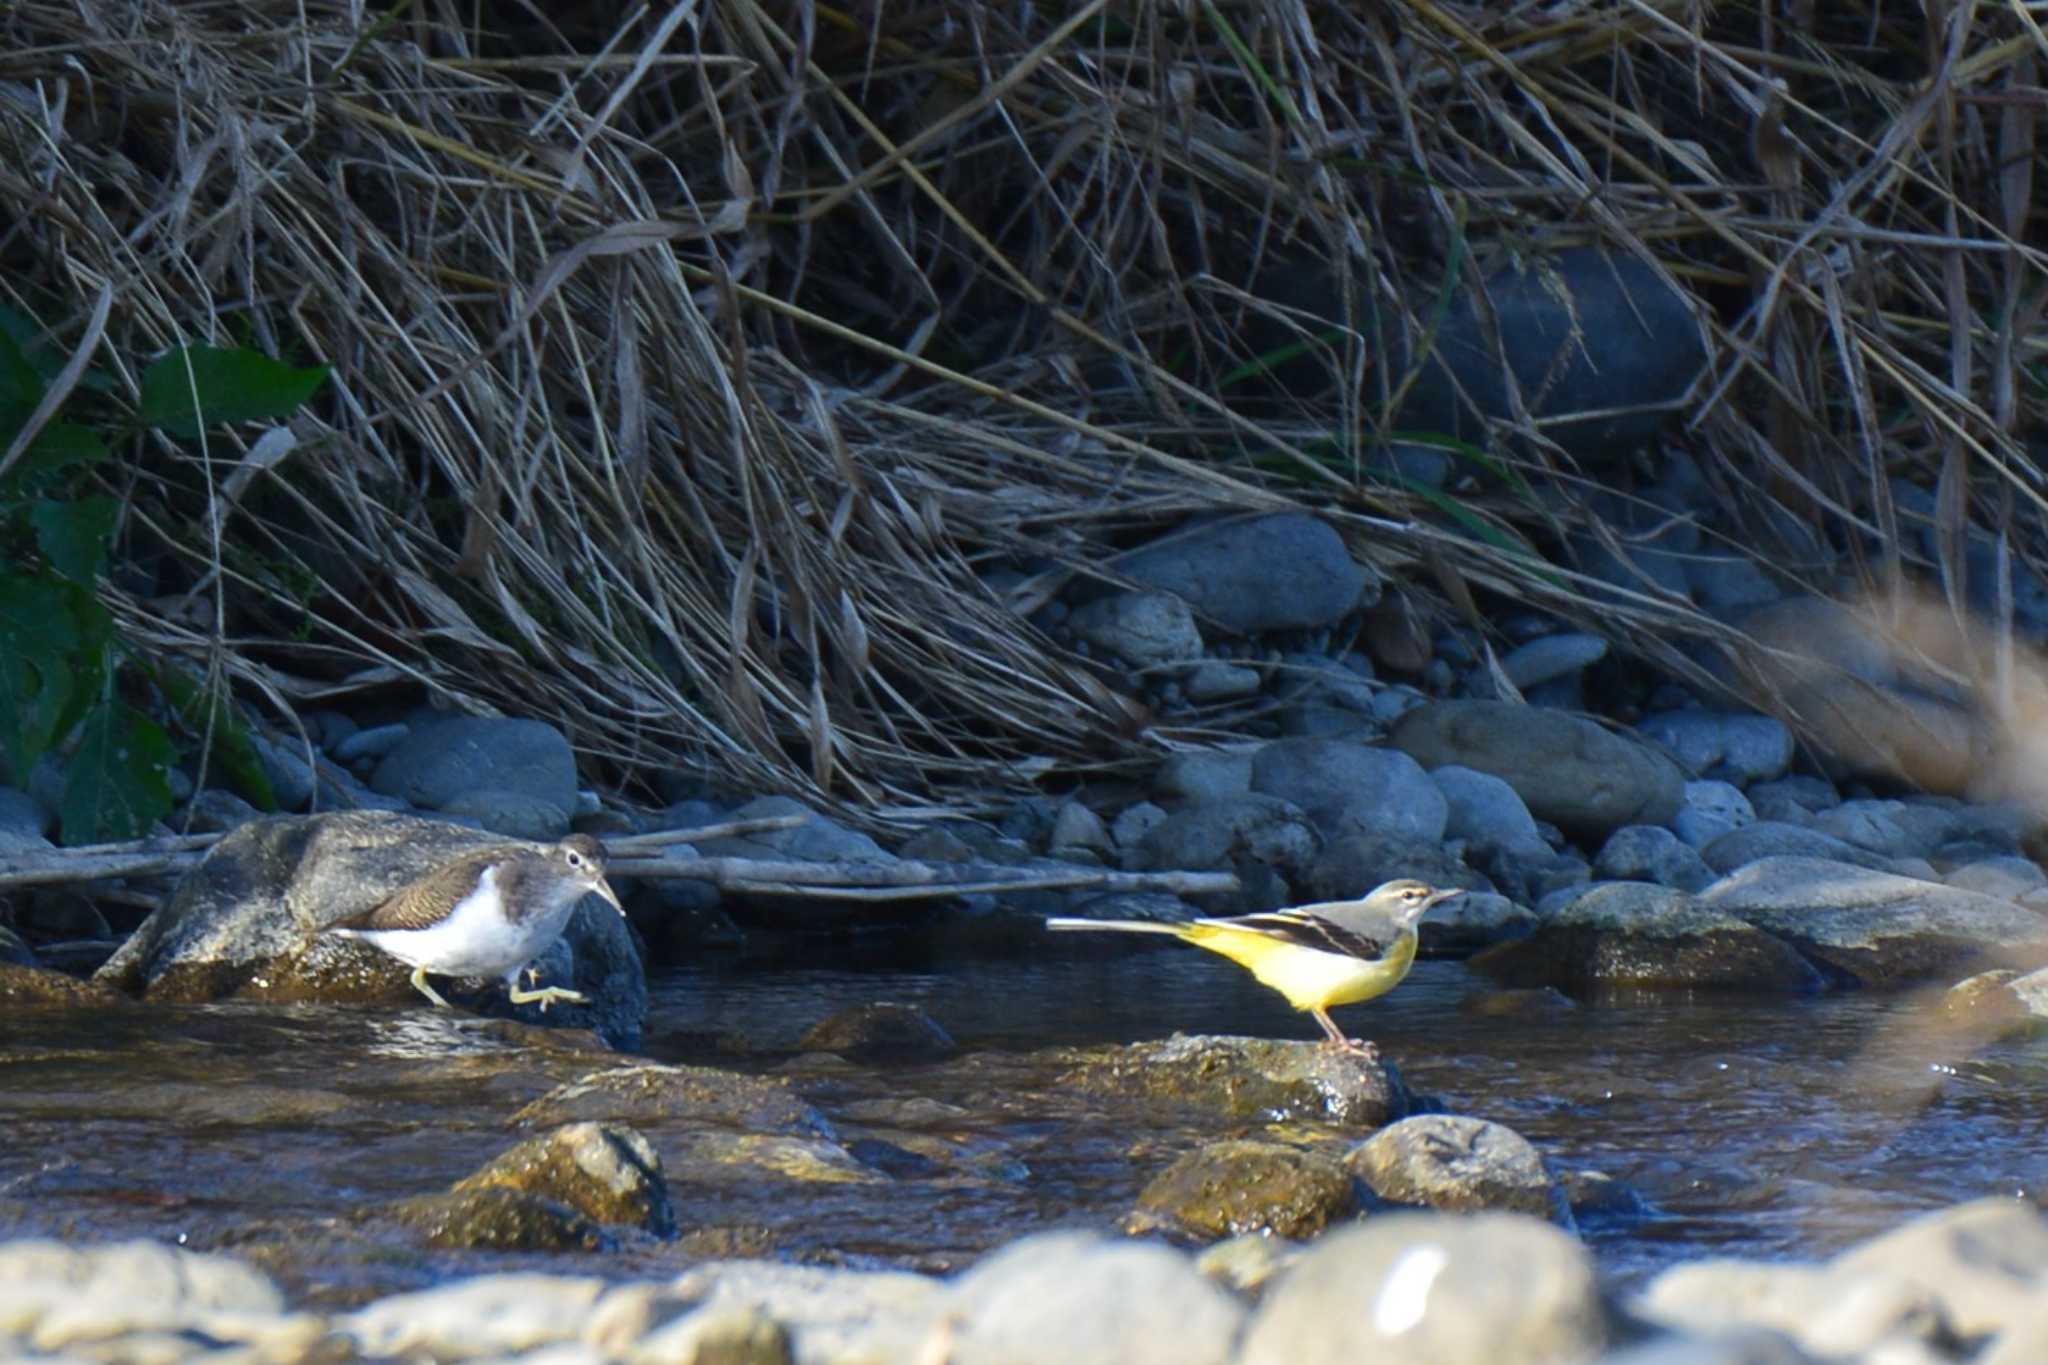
1331	953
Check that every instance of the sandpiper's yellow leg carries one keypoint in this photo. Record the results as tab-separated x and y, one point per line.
546	995
419	980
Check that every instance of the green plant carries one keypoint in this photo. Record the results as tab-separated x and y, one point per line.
62	659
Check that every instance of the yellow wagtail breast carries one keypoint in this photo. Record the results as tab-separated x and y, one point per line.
1312	978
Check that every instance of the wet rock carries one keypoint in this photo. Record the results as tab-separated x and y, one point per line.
1246	1264
1647	853
30	987
1635	934
13	952
369	744
607	1173
492	1316
498	1219
81	1303
1533	874
1355	861
1074	1296
1133	823
1873	825
514	814
1346	785
1543	1002
1982	1262
881	1032
339	790
1484	810
815	840
1213	680
216	811
1457	1164
1141	628
444	758
1397	636
1280	571
1581	330
1222	1189
1770	839
1077	829
1203	775
714	1157
652	1093
828	1315
1973	833
1651	558
1734	747
1793	800
1249	1078
717	1336
1433	1288
1475	920
1710	810
2032	990
1738	1346
1728	585
1550	657
245	924
1316	681
1829	1313
1987	1006
1566	769
943	844
1870	926
288	768
1259	828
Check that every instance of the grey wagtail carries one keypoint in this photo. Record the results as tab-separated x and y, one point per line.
1331	953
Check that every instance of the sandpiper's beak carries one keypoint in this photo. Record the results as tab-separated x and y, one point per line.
604	888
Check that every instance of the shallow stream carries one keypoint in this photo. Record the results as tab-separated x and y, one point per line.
1748	1128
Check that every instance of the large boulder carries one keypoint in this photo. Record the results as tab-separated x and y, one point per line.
1586	780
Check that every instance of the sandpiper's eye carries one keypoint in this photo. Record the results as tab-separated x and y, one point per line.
575	858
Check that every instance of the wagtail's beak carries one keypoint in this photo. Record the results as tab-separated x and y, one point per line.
1439	896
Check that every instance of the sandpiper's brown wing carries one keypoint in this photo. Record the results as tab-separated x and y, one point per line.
423	903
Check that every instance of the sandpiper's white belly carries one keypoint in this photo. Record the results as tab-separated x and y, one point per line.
475	939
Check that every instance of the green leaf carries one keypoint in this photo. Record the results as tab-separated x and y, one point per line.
74	536
39	641
58	447
196	385
201	710
21	385
118	781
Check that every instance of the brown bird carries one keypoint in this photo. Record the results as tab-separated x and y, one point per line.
1331	953
490	912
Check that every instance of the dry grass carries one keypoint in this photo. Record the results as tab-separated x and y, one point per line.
694	366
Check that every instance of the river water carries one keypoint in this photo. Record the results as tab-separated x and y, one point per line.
1748	1127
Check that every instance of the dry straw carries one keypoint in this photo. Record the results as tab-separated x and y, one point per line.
696	365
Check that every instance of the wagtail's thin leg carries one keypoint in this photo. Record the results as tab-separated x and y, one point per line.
419	980
1338	1038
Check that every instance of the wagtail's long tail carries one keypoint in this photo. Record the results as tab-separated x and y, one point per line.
1118	926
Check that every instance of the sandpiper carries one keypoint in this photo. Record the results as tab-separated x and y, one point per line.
490	912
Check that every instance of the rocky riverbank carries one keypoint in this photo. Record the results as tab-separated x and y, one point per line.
1431	1288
